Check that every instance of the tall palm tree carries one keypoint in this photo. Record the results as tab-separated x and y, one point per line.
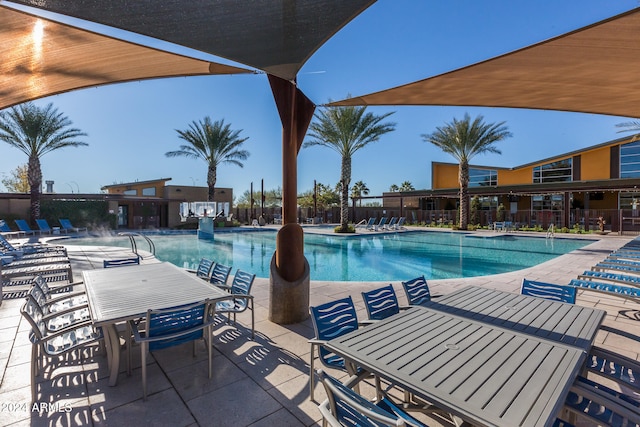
358	189
36	131
215	143
406	186
464	139
632	126
394	188
346	130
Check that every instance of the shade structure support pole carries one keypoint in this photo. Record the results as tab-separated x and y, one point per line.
289	276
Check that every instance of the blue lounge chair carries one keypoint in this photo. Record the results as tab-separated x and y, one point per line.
381	224
171	327
43	225
392	224
616	265
400	224
622	279
7	231
66	225
30	249
241	299
549	291
371	224
381	303
417	291
611	289
24	227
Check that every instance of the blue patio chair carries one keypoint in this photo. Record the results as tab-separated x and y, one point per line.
60	298
55	321
345	407
611	289
66	225
31	248
240	300
24	227
371	224
381	303
122	262
331	320
548	291
392	224
219	276
381	224
622	279
7	231
204	268
43	225
613	366
171	327
45	344
400	224
417	291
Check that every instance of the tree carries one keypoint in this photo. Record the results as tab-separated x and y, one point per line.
346	130
327	197
272	198
632	126
358	189
394	188
18	181
464	139
37	131
215	143
406	186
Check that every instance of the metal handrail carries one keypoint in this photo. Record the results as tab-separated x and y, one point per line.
134	246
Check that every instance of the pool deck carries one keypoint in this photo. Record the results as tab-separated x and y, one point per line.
255	383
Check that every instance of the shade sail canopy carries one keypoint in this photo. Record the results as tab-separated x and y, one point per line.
590	70
276	36
39	57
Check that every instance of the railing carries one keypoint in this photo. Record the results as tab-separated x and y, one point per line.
134	247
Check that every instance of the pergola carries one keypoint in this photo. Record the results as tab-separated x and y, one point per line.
589	70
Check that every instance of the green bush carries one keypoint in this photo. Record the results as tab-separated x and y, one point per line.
350	229
82	213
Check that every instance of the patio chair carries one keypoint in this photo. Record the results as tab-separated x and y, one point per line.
171	327
240	298
381	303
345	407
622	279
392	224
417	291
371	224
43	225
46	344
58	300
626	292
66	225
616	367
122	262
548	291
7	231
24	227
400	224
55	321
331	320
204	268
380	225
219	276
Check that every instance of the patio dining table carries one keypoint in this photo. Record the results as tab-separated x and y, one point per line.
118	294
477	360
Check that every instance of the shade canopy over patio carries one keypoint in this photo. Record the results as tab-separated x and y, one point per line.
590	70
40	57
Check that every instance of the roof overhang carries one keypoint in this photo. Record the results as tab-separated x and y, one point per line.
590	70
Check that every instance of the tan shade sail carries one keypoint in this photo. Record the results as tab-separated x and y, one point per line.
39	57
590	70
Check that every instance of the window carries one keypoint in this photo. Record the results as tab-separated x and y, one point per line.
560	171
130	192
630	160
547	202
151	191
482	177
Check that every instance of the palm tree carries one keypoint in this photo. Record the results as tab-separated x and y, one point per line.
632	126
406	186
346	130
36	131
394	188
215	143
464	139
358	189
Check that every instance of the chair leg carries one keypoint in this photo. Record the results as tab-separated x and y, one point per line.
129	333
209	343
311	374
253	323
143	347
34	371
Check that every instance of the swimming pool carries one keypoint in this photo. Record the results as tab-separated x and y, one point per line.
375	257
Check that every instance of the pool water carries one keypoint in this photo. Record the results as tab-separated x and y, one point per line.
376	257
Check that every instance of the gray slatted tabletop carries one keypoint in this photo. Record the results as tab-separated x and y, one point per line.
566	323
485	374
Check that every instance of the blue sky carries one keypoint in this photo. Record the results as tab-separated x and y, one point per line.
130	126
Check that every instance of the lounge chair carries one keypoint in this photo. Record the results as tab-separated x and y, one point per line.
241	299
345	407
622	279
381	224
30	249
66	225
46	344
381	303
5	230
611	289
24	227
417	291
549	291
171	327
219	276
392	224
371	224
43	225
400	224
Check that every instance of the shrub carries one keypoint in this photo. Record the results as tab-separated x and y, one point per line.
350	229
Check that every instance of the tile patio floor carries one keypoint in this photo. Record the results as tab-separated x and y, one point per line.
255	383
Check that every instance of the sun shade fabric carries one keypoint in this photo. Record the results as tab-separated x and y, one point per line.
590	70
276	36
40	57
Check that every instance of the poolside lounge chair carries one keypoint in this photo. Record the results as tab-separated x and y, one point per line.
30	249
46	344
171	327
549	291
391	225
400	224
381	224
371	224
417	291
345	407
43	225
24	227
241	299
622	279
611	289
66	225
5	230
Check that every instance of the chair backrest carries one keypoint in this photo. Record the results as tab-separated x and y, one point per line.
4	227
393	221
401	221
43	224
241	285
220	274
351	409
176	323
383	221
66	224
6	245
381	303
38	294
371	222
417	291
204	268
32	312
549	291
331	320
22	225
110	263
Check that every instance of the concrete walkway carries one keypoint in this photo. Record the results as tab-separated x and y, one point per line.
255	383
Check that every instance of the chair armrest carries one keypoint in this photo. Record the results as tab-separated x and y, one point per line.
51	335
222	286
317	341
